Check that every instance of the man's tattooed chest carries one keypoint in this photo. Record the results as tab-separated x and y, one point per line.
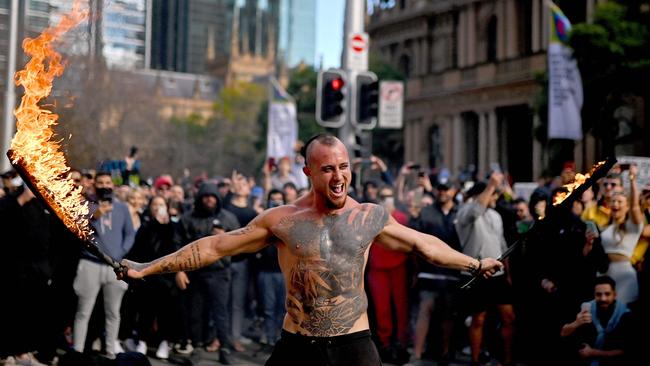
325	295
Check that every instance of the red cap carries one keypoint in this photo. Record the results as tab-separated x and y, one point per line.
569	165
163	180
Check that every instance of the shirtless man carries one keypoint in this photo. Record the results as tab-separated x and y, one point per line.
323	240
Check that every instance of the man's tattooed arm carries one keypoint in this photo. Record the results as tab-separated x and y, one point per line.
399	237
205	251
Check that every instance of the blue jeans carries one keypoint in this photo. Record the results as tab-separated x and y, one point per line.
239	287
273	297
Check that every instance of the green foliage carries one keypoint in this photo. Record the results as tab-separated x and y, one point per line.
302	86
612	43
383	69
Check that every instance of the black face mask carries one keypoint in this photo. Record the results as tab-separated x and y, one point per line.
275	204
104	194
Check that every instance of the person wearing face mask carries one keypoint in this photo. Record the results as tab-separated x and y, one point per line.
153	302
111	222
387	284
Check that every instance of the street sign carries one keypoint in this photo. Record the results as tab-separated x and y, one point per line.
357	52
391	104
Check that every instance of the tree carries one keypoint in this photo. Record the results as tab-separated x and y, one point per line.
236	126
613	55
302	86
104	112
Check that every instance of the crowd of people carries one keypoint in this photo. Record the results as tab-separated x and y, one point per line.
573	292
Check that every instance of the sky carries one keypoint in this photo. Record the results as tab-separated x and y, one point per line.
329	32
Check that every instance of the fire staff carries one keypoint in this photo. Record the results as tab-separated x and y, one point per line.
323	241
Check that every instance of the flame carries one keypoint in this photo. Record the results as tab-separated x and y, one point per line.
34	143
579	180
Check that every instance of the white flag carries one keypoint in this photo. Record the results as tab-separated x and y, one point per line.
282	125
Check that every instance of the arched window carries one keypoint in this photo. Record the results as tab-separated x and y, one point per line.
492	39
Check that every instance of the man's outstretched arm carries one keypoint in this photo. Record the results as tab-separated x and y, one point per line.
398	237
205	251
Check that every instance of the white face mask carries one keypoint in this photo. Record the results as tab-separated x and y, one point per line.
17	182
388	201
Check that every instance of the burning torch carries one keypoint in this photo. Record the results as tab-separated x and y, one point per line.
561	201
34	153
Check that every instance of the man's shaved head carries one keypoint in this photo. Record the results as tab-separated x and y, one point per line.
322	138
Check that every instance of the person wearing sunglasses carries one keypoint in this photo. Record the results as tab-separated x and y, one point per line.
601	212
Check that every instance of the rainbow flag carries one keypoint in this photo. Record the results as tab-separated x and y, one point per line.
564	82
560	24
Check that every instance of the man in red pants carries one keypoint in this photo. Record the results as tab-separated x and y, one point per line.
387	281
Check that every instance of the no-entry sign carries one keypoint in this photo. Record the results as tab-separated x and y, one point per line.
357	51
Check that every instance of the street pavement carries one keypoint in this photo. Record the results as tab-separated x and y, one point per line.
256	355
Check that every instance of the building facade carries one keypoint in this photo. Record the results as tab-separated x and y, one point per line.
252	55
470	67
115	31
297	41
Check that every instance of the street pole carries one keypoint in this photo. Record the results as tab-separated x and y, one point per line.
354	16
10	92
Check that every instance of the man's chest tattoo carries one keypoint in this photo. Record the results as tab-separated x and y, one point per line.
325	294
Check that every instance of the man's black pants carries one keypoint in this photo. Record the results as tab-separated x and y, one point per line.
354	349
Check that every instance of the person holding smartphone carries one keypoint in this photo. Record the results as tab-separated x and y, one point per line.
601	332
112	223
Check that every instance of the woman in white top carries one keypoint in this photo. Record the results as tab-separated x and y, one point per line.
619	240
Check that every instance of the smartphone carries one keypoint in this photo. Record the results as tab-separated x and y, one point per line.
585	306
592	227
417	198
271	163
134	150
414	167
624	166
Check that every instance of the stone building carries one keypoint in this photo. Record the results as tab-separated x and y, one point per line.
470	67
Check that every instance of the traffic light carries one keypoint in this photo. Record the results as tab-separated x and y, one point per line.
331	100
367	100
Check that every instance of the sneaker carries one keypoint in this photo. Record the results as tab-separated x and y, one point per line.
163	350
245	341
184	349
97	345
237	345
130	345
213	346
117	348
141	348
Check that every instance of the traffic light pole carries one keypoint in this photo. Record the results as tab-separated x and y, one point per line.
354	15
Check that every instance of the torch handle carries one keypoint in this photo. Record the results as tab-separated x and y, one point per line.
89	243
502	257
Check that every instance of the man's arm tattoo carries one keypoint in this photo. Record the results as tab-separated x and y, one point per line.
245	230
186	259
473	267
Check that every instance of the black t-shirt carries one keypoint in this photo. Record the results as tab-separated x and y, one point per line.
244	216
